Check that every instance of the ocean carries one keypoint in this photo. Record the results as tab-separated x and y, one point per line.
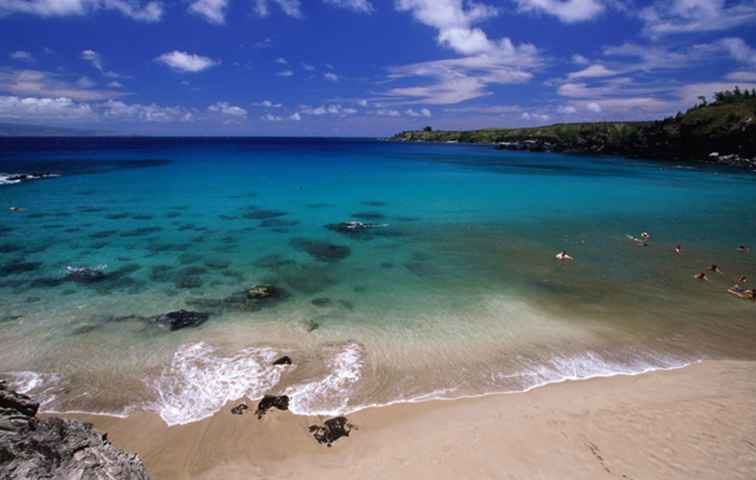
448	288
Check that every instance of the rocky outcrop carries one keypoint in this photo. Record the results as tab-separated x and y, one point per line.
271	401
55	448
331	430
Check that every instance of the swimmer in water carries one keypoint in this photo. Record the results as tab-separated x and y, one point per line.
563	256
742	279
645	236
678	250
715	269
744	249
701	276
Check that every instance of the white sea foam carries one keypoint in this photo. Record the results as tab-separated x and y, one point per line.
42	387
12	178
330	395
200	381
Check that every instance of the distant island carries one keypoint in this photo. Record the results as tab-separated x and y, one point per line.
722	131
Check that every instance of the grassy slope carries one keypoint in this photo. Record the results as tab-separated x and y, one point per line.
724	128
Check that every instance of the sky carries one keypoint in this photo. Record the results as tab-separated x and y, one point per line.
363	67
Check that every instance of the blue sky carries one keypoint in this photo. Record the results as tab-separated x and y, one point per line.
363	67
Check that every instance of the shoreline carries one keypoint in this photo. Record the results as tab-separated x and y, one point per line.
693	422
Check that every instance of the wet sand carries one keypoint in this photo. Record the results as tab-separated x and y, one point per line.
697	422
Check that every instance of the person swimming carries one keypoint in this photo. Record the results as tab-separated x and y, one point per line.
744	249
742	279
563	256
645	236
16	209
715	269
701	276
678	250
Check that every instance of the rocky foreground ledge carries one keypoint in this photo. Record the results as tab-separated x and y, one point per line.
55	448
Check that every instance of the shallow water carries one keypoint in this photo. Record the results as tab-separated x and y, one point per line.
455	291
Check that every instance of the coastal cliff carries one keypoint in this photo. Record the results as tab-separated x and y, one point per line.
56	448
721	132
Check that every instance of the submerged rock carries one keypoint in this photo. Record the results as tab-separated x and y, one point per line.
271	401
86	274
181	319
322	251
331	430
55	448
263	292
239	409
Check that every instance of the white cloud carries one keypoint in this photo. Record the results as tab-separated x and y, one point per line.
86	82
593	107
423	112
578	59
666	17
214	11
148	12
153	113
384	112
22	56
361	6
362	103
282	61
296	117
285	73
32	108
568	11
292	8
307	67
742	76
92	57
186	62
567	109
689	93
538	117
226	108
115	84
593	71
44	84
331	76
739	50
269	117
267	104
485	61
332	109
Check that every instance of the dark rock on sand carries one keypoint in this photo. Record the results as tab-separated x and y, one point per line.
181	319
55	448
332	430
285	360
320	250
271	401
265	292
240	409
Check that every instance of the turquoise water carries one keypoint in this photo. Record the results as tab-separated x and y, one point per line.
454	292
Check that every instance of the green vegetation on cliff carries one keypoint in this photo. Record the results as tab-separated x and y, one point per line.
726	126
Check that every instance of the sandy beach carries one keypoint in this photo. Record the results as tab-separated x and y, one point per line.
697	422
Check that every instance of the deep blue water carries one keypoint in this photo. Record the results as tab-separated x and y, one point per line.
454	292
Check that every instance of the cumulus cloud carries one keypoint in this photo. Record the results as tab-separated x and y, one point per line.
148	12
667	17
593	71
593	107
361	6
37	83
214	11
227	109
484	62
153	113
292	8
266	104
22	56
423	112
537	117
186	62
332	109
331	76
568	11
740	50
296	117
386	112
33	108
285	73
282	61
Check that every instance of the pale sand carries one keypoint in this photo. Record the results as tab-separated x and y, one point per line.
694	423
